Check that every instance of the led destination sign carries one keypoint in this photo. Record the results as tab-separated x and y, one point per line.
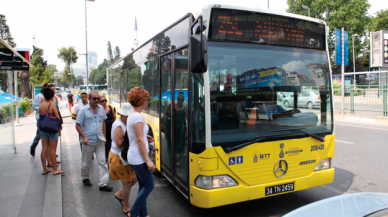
245	26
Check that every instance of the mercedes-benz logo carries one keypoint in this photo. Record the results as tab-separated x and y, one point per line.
280	169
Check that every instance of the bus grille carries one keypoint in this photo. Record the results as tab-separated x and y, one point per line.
264	173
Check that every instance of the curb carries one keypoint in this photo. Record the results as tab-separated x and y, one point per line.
53	196
360	119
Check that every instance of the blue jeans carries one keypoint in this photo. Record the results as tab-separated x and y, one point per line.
146	185
37	137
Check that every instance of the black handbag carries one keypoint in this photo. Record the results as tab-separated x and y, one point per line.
125	147
48	124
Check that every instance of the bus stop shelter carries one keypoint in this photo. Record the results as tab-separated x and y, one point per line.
11	61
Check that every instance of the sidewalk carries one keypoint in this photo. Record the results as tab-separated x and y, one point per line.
361	116
24	190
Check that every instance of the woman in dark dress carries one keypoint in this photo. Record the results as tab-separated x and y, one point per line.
111	117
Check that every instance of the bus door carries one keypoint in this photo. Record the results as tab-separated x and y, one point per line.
174	119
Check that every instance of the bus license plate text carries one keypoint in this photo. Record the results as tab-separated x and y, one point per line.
279	189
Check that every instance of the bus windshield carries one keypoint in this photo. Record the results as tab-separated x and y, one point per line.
256	90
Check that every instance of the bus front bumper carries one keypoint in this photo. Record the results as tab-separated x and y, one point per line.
223	196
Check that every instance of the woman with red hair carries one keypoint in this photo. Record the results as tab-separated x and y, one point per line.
137	130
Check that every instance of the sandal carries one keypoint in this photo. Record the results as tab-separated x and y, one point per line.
120	200
52	166
126	213
58	172
45	172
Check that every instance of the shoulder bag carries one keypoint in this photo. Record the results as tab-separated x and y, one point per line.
49	125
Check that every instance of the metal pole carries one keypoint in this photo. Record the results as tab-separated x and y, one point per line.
309	12
354	64
86	35
71	71
268	4
15	79
342	74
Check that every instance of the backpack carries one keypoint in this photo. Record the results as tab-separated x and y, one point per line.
125	147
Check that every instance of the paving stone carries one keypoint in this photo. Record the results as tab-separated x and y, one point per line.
11	203
10	213
12	191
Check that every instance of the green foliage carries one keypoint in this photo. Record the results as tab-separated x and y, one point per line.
117	53
25	105
109	52
98	75
68	55
5	33
380	22
8	110
3	113
39	73
52	68
352	15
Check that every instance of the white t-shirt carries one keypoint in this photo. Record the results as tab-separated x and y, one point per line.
134	156
78	107
118	123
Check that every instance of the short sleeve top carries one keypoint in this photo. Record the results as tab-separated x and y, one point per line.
134	156
118	123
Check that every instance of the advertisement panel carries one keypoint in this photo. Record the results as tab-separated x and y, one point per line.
259	78
379	48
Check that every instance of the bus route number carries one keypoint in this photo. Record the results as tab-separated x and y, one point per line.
317	147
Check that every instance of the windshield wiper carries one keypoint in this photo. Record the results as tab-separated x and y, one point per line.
321	139
234	148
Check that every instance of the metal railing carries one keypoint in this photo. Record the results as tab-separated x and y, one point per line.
363	98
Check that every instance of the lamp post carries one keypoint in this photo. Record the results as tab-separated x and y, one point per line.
354	61
86	36
306	8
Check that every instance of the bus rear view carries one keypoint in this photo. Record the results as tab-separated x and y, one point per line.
269	110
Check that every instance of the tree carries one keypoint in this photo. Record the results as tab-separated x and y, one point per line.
351	15
5	33
117	53
380	22
67	55
109	51
39	73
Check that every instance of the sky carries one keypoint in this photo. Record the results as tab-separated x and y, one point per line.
57	23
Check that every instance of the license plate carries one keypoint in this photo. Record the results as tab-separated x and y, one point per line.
279	189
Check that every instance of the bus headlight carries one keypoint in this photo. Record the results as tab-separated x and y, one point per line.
210	182
324	164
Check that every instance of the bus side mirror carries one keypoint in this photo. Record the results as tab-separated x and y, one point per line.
198	54
198	48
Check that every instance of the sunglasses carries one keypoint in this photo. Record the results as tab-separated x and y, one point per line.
104	100
95	98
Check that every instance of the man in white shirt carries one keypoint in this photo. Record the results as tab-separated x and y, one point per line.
35	107
84	98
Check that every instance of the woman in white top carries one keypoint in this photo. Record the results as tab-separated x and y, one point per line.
117	168
137	130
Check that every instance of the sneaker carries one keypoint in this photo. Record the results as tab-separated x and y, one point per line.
106	188
32	152
87	182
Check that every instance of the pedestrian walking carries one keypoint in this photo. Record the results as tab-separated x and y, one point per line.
59	98
70	100
90	125
35	107
77	108
111	117
137	130
120	170
49	140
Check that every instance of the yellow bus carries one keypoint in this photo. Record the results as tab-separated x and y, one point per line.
240	103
